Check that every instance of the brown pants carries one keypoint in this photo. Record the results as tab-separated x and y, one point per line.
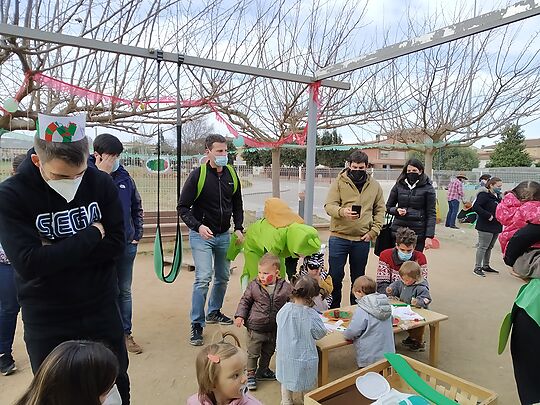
417	334
260	347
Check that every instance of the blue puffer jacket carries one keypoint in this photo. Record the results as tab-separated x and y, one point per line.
131	202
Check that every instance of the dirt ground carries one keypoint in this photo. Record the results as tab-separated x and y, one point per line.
165	372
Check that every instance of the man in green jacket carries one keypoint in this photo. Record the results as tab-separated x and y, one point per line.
355	204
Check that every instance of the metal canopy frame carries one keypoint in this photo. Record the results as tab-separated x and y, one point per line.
485	22
94	44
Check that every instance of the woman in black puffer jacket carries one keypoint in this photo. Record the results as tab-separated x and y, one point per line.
412	202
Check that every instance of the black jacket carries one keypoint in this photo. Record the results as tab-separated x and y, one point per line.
130	200
62	265
420	203
521	242
485	206
215	205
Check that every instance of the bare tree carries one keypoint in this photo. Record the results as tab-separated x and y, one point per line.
458	93
298	37
132	22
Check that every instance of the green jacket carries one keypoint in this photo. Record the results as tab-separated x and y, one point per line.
343	193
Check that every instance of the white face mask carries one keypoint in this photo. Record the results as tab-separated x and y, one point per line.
67	188
113	397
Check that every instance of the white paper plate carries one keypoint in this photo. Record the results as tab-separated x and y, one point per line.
372	385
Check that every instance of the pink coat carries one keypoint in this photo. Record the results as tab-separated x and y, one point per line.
245	400
514	215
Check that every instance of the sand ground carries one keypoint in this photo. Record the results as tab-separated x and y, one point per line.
165	372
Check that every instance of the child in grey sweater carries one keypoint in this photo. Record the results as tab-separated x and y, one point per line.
371	325
414	290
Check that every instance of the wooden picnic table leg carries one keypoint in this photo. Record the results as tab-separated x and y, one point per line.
434	344
323	367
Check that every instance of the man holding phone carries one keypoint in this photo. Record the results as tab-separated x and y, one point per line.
356	207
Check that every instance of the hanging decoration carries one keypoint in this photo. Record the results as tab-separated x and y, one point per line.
10	105
239	142
155	165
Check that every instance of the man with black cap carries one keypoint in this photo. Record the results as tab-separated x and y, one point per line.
455	195
61	226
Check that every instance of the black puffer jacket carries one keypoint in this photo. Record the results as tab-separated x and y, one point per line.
419	202
485	206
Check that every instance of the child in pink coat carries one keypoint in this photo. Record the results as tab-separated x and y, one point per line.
518	208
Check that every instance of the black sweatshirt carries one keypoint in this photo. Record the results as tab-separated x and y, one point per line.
215	205
65	268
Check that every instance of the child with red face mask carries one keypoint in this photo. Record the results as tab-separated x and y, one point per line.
257	310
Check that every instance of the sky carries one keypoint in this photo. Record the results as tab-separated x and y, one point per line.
390	17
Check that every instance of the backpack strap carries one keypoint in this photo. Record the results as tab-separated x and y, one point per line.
202	179
234	178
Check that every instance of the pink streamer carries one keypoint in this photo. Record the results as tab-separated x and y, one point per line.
61	86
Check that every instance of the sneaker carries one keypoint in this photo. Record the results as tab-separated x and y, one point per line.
478	271
218	317
265	375
488	269
417	346
132	346
251	381
7	364
196	338
408	341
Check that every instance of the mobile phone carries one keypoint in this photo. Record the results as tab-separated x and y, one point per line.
357	209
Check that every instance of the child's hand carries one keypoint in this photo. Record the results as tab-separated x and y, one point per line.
414	302
239	321
388	291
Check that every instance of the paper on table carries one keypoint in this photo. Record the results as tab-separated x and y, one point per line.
334	325
406	313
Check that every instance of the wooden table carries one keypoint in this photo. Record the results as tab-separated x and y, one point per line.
334	340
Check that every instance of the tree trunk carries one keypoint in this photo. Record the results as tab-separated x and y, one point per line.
276	168
428	157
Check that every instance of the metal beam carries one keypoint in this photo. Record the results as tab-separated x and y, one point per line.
9	30
310	158
517	12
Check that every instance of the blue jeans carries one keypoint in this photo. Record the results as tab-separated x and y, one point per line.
339	249
210	258
9	308
453	208
124	269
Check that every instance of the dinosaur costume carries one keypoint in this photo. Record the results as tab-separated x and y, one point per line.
282	233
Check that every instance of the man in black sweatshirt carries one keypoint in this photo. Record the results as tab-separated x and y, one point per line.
61	226
207	212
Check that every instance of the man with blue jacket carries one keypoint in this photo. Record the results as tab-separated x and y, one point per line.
107	150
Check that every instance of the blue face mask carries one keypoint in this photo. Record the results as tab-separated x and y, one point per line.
404	256
497	190
116	165
221	161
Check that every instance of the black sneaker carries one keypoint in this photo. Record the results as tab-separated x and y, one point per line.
488	269
408	341
478	271
417	346
218	317
196	338
7	364
265	375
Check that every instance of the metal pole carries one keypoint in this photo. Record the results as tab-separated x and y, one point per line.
310	157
